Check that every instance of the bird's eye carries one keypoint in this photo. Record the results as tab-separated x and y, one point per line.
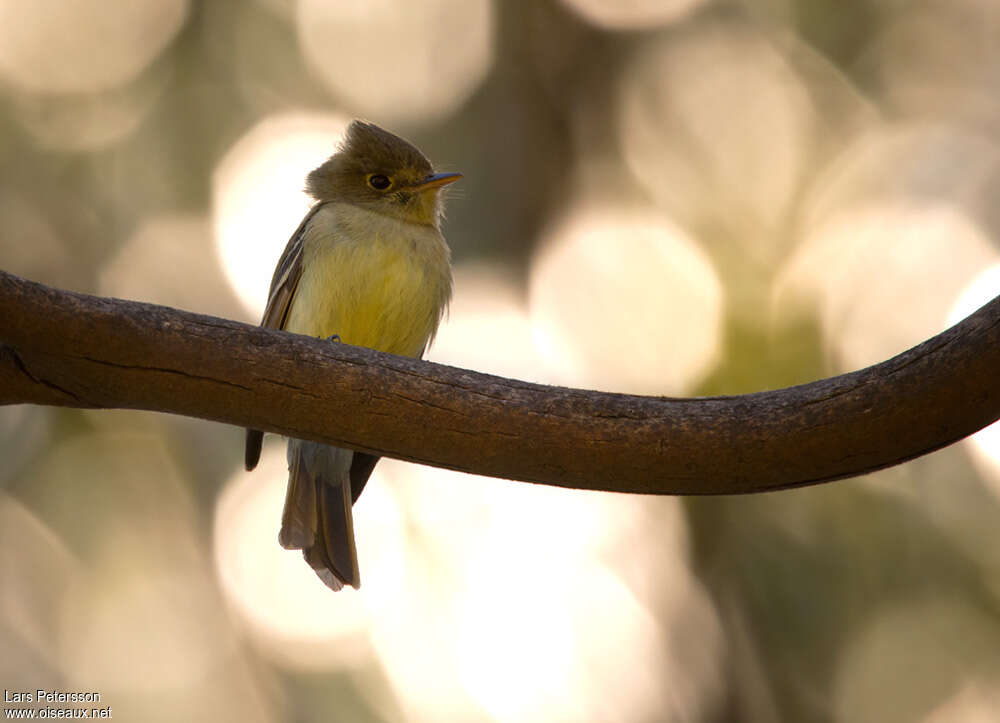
379	182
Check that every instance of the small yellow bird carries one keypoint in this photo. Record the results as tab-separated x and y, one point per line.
367	265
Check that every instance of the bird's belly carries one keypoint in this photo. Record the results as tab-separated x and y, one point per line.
377	295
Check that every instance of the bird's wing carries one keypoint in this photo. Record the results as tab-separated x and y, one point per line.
279	300
286	277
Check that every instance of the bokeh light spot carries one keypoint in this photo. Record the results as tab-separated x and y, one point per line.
88	121
626	301
80	46
488	327
396	59
516	605
292	616
727	148
259	197
630	14
885	275
164	263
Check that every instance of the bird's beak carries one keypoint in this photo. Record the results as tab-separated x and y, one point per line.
436	180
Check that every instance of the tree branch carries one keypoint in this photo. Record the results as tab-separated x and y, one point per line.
68	349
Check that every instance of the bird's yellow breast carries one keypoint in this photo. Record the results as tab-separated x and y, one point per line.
373	280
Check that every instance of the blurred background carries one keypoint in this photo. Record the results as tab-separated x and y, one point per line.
679	197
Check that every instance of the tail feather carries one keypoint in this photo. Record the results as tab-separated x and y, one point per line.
333	551
298	519
317	518
255	439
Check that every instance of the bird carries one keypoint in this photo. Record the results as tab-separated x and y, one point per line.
368	266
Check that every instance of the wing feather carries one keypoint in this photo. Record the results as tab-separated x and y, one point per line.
284	283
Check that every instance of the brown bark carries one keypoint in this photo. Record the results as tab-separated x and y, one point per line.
68	349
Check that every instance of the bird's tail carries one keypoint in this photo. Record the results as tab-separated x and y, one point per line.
317	517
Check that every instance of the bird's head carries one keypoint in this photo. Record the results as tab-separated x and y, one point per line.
380	171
